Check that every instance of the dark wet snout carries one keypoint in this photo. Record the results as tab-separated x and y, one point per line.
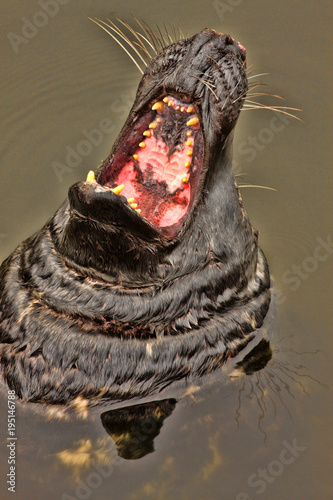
224	43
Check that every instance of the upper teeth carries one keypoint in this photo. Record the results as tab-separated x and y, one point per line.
159	105
193	121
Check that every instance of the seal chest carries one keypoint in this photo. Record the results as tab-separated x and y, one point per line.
150	270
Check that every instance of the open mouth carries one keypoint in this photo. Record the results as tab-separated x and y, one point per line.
158	162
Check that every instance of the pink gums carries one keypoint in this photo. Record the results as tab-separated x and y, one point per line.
163	207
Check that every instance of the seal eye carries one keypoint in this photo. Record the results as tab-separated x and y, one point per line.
161	167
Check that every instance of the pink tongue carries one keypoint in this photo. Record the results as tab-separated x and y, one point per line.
156	167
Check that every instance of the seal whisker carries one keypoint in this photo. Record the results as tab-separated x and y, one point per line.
140	44
174	34
206	85
216	64
247	108
239	97
247	93
152	36
275	107
250	69
242	95
116	39
144	38
148	39
144	51
159	39
208	80
244	64
181	34
222	72
254	85
279	109
256	186
260	94
162	40
117	30
255	76
167	33
176	37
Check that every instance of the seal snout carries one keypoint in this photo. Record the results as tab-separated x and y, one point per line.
225	42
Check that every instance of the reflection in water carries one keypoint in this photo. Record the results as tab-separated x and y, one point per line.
273	386
83	455
134	428
264	376
256	360
252	364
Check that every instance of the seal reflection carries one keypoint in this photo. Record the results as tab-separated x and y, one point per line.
134	428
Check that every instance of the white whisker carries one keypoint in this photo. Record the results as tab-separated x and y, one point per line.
145	32
207	85
141	44
121	45
255	76
117	30
256	186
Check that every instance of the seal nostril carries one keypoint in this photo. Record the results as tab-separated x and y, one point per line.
229	40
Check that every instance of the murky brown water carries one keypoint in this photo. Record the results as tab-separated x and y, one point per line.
264	435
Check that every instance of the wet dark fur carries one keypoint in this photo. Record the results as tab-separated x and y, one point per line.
101	304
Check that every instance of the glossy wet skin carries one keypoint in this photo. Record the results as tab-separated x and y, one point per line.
117	303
